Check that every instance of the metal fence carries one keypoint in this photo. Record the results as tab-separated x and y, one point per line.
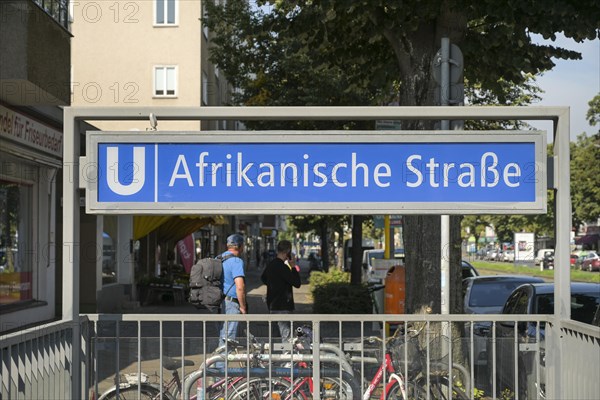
495	357
36	362
489	356
57	9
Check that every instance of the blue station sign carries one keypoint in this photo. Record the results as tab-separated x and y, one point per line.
339	172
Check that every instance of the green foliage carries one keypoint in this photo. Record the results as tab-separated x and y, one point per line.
333	294
317	278
364	52
585	178
512	269
320	52
593	114
319	224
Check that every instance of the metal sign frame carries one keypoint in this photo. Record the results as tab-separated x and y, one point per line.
90	171
75	117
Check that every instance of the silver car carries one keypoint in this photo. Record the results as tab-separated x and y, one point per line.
535	299
487	295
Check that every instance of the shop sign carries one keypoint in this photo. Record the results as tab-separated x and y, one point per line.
22	129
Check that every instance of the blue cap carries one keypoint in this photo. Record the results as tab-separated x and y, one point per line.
235	240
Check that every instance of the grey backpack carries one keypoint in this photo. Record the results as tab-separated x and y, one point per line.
206	282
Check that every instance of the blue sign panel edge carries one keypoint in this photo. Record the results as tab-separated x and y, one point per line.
343	175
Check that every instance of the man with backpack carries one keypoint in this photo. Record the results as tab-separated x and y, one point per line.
234	285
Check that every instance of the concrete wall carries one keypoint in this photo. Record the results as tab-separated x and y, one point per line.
35	56
115	49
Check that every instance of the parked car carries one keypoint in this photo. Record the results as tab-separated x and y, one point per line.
367	261
468	270
487	295
591	262
535	299
376	254
508	256
573	260
493	255
548	261
540	255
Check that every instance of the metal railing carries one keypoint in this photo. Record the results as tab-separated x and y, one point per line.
140	345
36	362
57	9
120	349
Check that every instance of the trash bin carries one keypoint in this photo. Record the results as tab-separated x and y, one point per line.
395	290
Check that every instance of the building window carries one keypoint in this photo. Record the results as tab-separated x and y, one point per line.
165	12
16	225
165	81
57	9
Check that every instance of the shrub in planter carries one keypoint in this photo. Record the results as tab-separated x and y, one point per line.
333	294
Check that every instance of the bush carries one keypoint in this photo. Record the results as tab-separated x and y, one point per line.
333	294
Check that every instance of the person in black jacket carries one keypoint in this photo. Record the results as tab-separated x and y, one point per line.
280	275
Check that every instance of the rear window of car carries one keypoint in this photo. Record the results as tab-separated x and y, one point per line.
491	293
583	305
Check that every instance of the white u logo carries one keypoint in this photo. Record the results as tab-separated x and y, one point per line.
138	167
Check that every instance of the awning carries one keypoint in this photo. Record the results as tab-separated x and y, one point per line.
144	224
172	227
588	239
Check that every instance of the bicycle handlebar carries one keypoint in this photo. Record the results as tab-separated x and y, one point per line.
375	288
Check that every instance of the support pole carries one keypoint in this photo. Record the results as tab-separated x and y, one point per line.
445	219
562	277
388	239
70	262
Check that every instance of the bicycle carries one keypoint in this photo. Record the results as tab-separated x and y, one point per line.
405	354
411	384
291	380
403	362
134	386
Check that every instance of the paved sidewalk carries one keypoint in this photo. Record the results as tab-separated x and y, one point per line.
256	292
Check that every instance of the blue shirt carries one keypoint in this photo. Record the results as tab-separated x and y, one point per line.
232	268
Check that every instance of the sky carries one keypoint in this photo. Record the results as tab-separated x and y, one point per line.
572	83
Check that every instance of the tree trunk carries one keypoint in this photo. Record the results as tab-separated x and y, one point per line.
331	246
423	263
356	266
422	232
324	244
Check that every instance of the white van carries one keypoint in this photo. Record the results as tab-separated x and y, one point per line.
540	255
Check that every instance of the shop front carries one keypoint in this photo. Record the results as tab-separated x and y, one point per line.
30	160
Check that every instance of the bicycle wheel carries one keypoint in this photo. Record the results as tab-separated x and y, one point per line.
439	388
146	392
258	389
413	392
331	389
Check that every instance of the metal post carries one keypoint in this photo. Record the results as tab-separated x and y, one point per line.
445	219
70	295
386	232
562	277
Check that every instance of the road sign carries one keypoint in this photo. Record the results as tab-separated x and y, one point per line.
377	172
379	220
456	62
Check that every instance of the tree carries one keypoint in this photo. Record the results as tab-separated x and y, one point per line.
364	52
593	114
325	226
475	224
585	178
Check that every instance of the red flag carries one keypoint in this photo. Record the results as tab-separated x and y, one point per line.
185	248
